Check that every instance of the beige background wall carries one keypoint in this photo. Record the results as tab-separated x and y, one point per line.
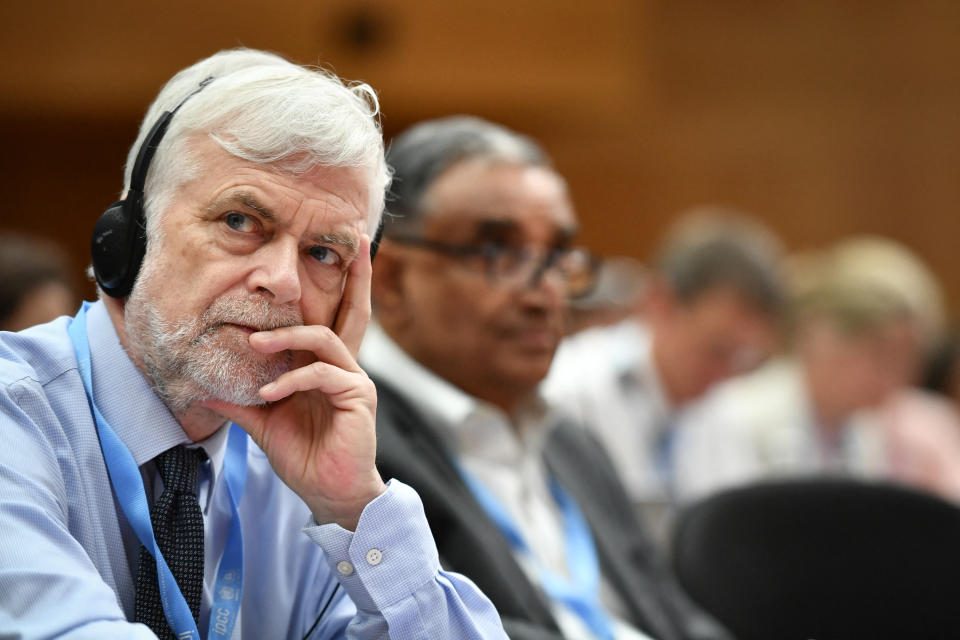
823	117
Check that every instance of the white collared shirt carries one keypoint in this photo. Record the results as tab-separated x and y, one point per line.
762	425
606	379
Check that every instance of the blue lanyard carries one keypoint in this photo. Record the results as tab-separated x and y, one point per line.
664	447
580	592
128	487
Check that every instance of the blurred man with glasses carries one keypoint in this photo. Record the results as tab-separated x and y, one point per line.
475	268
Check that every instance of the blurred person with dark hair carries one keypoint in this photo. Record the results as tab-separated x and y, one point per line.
35	282
840	402
710	310
470	289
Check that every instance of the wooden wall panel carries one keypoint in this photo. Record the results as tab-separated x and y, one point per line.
826	118
823	117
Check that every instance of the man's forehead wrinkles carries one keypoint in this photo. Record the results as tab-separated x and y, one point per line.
327	235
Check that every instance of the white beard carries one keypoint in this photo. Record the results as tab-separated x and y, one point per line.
193	359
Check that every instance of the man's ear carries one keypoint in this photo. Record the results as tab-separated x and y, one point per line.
387	284
659	300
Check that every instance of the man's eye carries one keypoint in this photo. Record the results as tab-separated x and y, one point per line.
326	255
239	222
493	249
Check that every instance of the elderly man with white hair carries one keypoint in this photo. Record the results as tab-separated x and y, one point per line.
196	449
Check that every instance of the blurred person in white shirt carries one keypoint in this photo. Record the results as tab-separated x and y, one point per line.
841	401
709	309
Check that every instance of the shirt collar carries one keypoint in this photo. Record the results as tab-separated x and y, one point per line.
215	446
124	395
628	342
644	370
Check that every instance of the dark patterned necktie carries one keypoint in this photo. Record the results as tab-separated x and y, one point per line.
178	527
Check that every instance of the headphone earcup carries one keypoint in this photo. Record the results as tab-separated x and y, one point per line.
117	249
119	239
375	242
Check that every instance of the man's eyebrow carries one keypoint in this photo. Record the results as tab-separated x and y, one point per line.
493	225
245	198
335	237
492	228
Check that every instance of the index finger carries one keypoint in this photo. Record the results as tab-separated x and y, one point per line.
354	311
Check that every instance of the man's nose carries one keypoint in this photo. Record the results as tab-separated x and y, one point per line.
544	284
277	273
543	268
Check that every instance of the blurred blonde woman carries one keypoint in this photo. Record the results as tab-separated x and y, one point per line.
840	401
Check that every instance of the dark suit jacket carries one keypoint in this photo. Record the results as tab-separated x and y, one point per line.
470	543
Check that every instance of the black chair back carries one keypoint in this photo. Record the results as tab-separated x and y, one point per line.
823	560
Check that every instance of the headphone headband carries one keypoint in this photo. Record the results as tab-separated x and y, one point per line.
119	239
138	177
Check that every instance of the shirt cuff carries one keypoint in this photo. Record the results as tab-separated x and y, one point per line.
391	555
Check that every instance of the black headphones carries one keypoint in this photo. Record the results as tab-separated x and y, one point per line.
119	239
120	235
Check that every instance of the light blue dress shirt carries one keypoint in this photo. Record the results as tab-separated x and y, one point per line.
68	557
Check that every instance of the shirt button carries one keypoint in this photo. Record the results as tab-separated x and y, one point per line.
374	557
344	567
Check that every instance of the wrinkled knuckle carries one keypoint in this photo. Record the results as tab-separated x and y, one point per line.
366	386
318	368
327	334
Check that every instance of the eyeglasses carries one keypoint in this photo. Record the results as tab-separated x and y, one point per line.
520	266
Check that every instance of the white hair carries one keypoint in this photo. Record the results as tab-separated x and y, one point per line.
263	109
